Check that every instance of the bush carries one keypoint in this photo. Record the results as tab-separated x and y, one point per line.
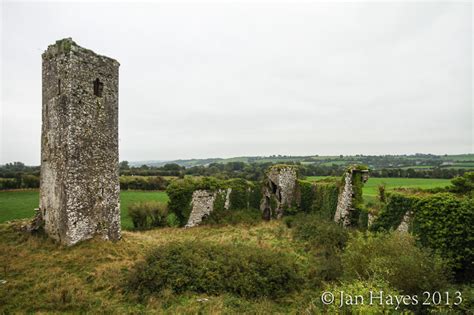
393	211
319	232
215	269
395	258
232	217
445	223
172	220
148	214
325	240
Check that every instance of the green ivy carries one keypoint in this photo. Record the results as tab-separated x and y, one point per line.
326	197
239	195
445	223
244	194
306	191
393	211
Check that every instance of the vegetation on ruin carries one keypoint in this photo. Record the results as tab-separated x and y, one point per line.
42	276
244	194
442	221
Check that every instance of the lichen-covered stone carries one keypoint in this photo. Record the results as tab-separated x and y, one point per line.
279	190
404	225
202	204
345	204
79	144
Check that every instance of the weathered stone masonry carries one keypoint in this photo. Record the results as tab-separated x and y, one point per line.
202	204
79	195
279	189
345	200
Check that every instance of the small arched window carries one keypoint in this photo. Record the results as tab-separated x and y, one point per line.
98	87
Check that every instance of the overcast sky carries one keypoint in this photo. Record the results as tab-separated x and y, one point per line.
222	80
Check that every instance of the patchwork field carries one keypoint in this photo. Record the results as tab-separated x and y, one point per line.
20	204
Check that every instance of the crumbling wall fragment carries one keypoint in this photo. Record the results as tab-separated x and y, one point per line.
345	205
202	204
279	191
404	225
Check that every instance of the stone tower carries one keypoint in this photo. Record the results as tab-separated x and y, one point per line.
79	144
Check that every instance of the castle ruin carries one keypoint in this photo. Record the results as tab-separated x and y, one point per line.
79	195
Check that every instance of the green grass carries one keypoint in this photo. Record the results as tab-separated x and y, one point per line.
371	187
20	204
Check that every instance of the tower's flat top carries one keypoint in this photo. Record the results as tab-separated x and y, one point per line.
66	46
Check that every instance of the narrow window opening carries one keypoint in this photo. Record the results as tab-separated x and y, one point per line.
59	86
98	87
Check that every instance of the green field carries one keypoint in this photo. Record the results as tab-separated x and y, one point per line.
20	204
371	187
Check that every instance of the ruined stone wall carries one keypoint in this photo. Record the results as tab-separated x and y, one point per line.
404	225
202	205
344	203
350	194
79	195
279	190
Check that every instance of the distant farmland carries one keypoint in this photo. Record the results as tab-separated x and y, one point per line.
20	204
371	187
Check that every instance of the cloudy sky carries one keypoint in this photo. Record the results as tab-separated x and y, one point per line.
232	79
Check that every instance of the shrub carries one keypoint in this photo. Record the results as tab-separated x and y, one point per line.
325	240
395	258
148	214
208	268
319	232
172	220
463	184
445	223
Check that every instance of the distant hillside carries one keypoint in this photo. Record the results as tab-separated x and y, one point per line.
373	161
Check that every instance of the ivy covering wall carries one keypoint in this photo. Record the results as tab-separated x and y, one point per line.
243	195
441	221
